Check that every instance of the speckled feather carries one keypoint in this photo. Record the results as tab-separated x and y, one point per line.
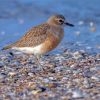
32	38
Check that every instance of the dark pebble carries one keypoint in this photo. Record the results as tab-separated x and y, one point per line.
42	89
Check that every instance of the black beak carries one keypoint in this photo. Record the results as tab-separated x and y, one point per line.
69	24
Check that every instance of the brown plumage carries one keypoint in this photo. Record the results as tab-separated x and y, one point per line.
32	38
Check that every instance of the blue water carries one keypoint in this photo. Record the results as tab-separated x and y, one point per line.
17	16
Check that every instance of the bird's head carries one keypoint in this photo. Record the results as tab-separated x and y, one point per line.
59	20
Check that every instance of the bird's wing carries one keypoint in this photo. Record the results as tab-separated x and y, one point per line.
33	37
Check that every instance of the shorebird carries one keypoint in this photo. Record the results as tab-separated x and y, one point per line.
42	38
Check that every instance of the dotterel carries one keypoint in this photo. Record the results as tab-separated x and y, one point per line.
42	38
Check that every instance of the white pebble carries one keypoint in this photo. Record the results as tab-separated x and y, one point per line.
95	78
30	74
86	83
46	80
77	55
51	78
77	94
12	73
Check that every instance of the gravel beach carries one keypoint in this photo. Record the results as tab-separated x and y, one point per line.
66	76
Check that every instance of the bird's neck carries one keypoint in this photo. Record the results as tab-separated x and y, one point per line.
56	28
57	31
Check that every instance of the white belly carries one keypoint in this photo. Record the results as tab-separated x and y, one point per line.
29	50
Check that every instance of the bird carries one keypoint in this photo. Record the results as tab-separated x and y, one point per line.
42	38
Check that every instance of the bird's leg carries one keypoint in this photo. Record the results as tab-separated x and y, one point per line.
38	62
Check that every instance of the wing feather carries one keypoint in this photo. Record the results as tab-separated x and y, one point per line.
32	38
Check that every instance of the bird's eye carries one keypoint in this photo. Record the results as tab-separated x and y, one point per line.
61	21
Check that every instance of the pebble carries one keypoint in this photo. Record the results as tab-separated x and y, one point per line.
30	74
39	90
97	68
87	73
86	83
35	92
42	89
77	93
73	66
52	85
64	79
57	69
51	78
2	76
2	64
77	55
46	80
96	78
12	73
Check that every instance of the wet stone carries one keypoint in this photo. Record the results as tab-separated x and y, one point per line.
87	73
2	64
77	93
87	83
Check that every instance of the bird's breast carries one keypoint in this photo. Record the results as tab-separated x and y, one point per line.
51	42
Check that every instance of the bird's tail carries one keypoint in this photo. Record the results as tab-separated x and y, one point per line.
7	47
